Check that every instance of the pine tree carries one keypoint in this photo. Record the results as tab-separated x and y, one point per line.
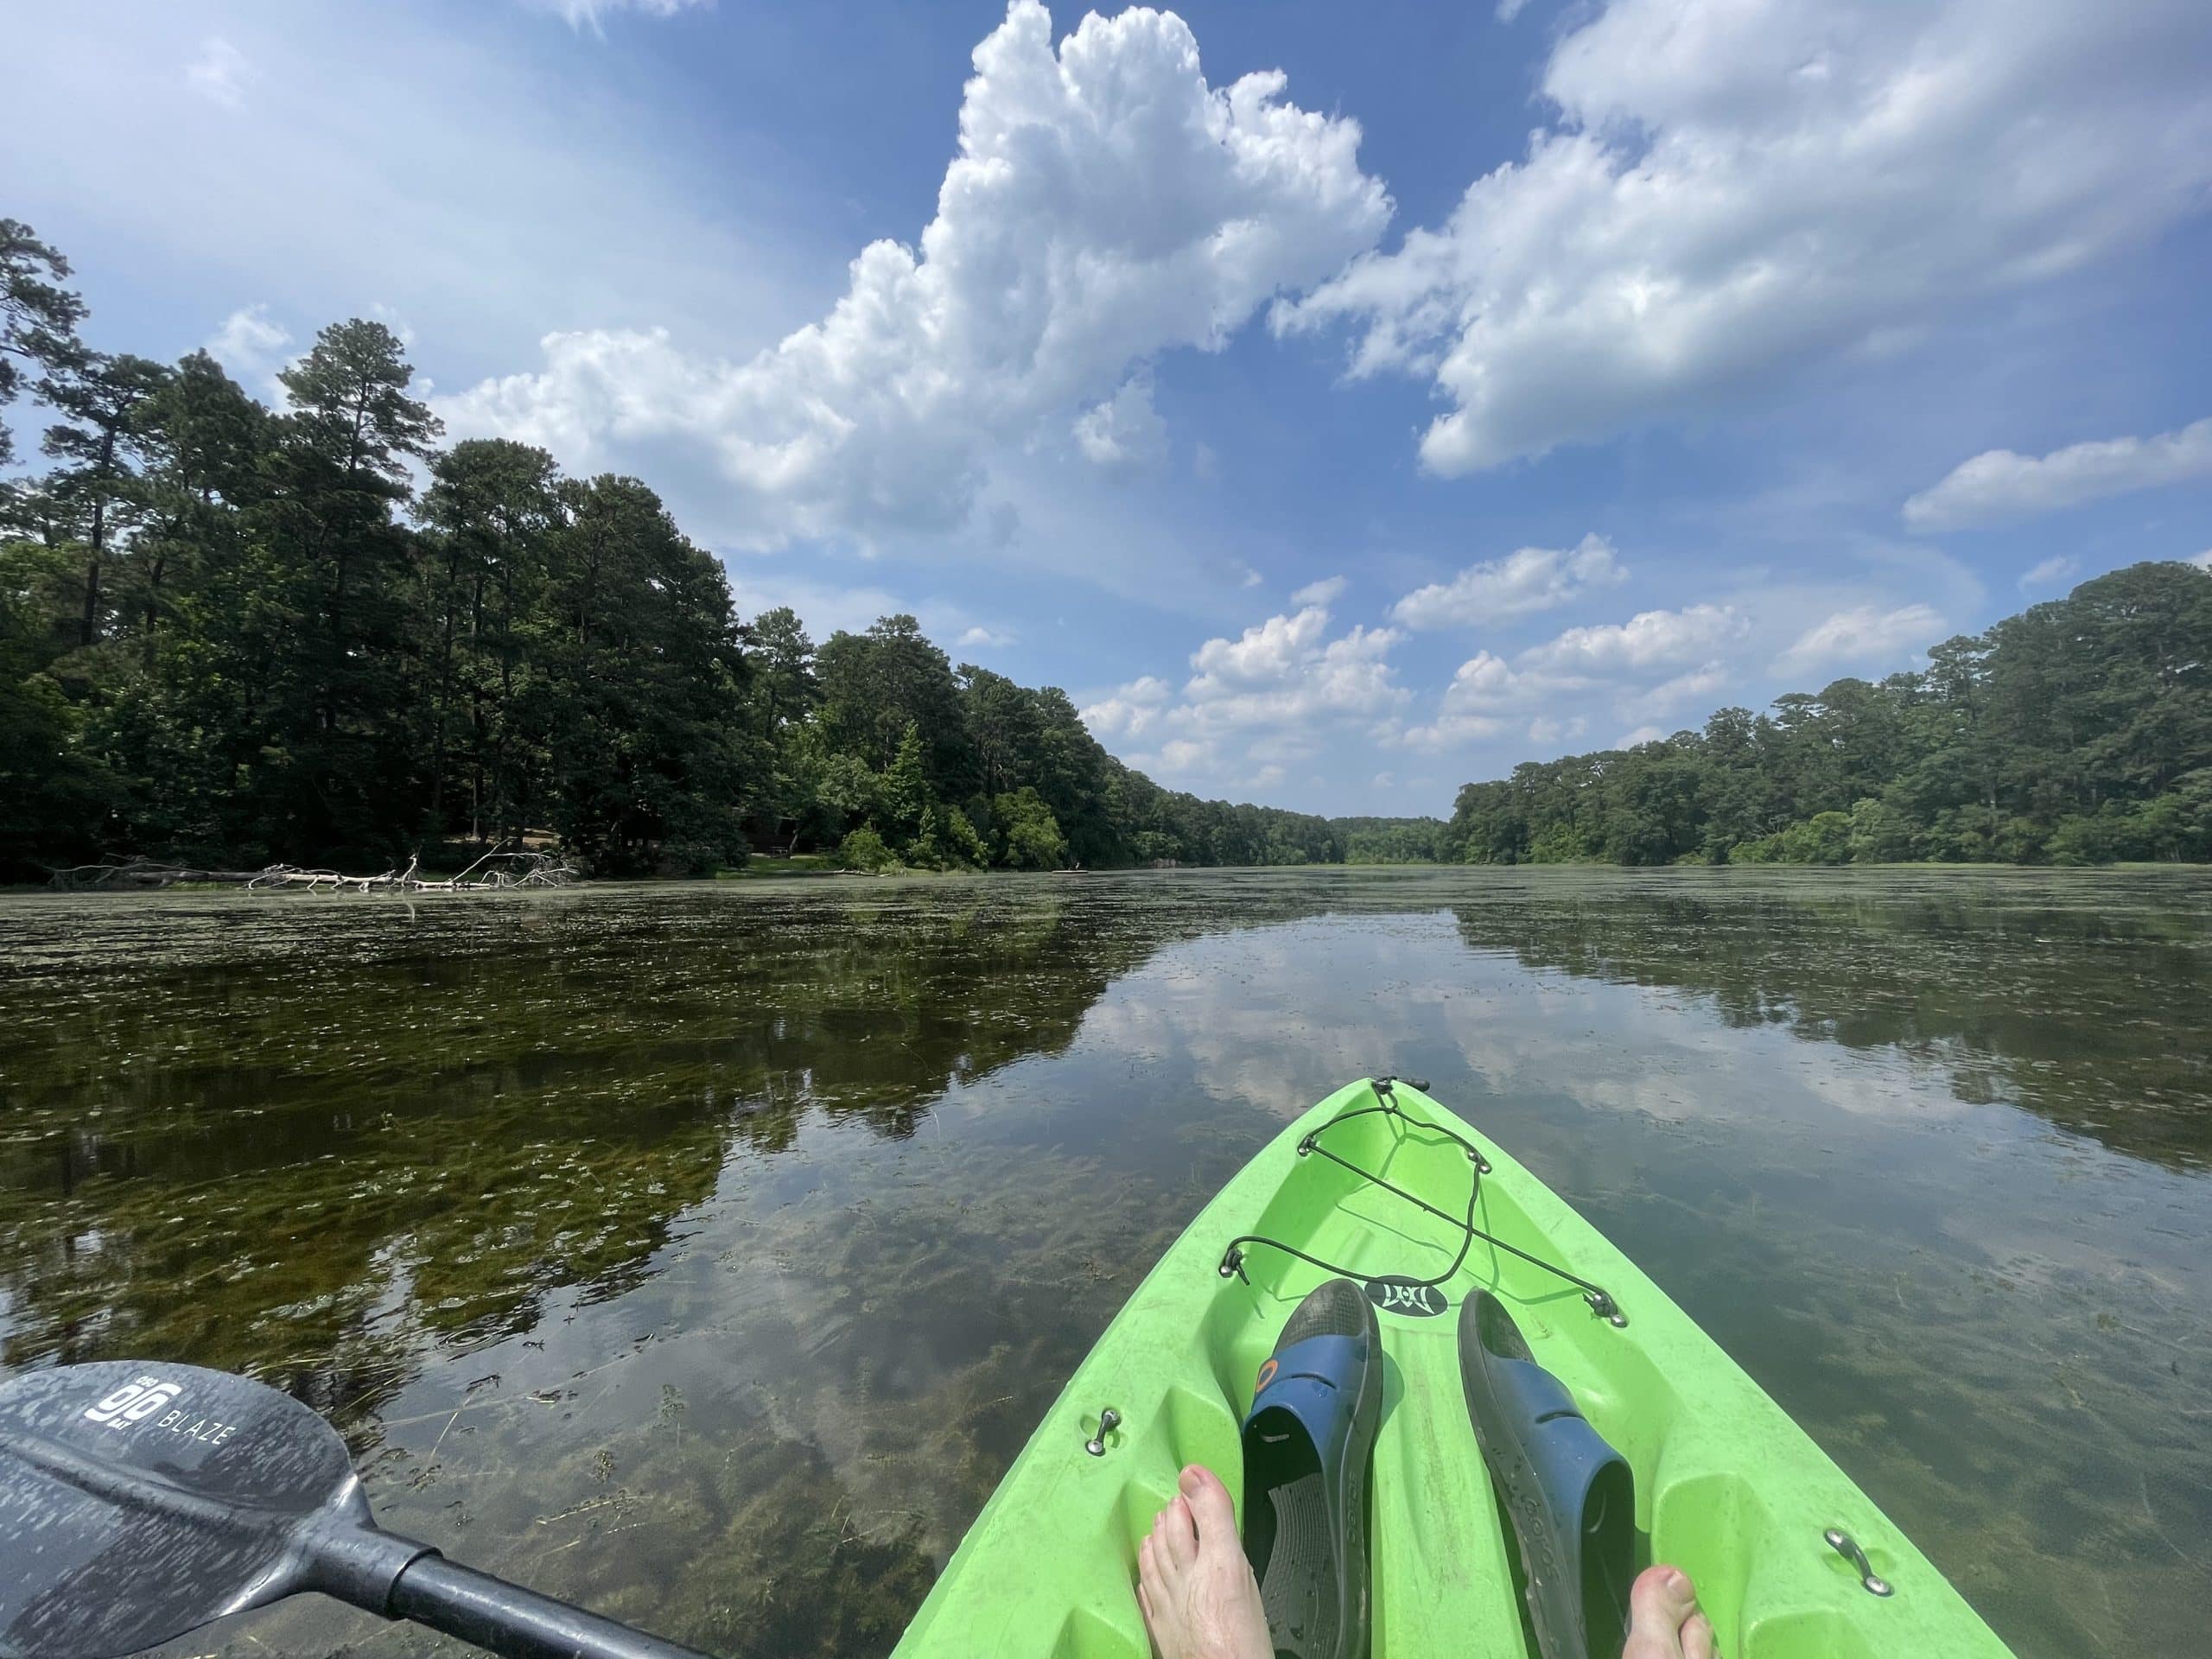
38	317
99	441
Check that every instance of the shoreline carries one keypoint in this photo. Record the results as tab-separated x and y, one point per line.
764	872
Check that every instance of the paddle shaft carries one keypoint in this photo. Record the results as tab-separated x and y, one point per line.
516	1623
357	1562
141	1500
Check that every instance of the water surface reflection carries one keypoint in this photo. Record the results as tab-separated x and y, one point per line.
706	1253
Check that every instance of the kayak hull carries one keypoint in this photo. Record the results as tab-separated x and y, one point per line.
1727	1487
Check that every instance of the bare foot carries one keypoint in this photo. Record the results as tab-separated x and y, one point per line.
1663	1619
1199	1599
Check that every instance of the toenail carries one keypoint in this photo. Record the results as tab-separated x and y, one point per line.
1189	1482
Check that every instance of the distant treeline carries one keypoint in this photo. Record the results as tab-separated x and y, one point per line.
1390	841
230	635
2078	732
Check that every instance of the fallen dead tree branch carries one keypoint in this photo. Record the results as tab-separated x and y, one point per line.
493	873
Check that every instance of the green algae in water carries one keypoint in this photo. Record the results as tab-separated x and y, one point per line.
706	1254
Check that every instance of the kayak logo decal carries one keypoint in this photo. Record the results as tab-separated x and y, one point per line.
133	1403
1395	1294
1267	1376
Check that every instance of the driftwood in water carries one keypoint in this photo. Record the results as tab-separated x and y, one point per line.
489	873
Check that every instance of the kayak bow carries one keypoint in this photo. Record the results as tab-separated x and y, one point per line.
1381	1184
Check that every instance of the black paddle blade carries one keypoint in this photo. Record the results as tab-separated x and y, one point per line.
139	1500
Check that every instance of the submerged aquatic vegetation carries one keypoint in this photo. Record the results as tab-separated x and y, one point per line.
706	1254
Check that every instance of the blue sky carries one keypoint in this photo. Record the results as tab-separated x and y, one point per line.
1341	404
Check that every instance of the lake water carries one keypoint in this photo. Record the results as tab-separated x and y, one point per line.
703	1252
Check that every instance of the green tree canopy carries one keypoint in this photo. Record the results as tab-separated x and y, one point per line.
2074	732
38	317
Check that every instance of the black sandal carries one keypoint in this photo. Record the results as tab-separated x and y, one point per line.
1309	1441
1571	1496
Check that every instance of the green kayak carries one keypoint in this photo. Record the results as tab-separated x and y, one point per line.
1379	1182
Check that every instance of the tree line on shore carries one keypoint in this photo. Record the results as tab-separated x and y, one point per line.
2077	732
232	634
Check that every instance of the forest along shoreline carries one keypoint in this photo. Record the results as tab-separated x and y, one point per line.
233	636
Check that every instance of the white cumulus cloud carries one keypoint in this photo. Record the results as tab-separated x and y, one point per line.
1270	694
1998	484
1130	712
1106	204
1646	639
2057	568
1862	636
1259	655
1287	670
252	345
1487	682
1326	591
1727	188
1179	756
1532	579
1656	664
1683	692
1125	430
1485	694
1450	729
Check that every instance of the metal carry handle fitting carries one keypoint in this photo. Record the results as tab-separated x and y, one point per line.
1108	1420
1847	1547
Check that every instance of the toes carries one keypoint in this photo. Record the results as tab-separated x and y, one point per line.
1663	1594
1177	1531
1697	1637
1149	1564
1212	1513
1151	1622
1659	1602
1163	1553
